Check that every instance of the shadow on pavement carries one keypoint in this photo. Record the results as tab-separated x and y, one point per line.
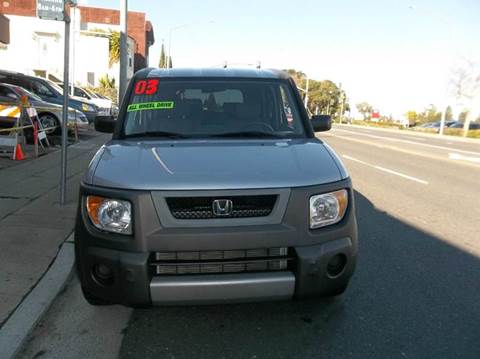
413	296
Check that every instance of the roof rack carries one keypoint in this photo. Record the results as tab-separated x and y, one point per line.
225	64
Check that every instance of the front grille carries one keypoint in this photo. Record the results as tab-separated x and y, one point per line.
202	207
228	261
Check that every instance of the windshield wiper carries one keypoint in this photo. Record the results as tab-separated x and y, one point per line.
253	134
156	134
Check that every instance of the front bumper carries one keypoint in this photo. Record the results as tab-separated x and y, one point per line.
90	116
134	283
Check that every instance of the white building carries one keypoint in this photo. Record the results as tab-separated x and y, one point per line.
35	46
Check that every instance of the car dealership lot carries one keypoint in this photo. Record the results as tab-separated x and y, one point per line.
414	295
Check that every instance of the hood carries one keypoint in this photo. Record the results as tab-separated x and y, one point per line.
81	99
212	164
43	105
100	102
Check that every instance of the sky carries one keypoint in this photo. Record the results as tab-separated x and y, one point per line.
395	54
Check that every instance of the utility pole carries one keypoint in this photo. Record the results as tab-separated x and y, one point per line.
123	49
442	121
306	92
342	103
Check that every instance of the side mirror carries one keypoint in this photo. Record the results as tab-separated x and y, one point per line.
105	124
321	123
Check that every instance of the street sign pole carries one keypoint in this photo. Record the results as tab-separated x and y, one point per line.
122	88
66	61
57	10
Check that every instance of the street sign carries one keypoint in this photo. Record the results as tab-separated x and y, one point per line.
51	10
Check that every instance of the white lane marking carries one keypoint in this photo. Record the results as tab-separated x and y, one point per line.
411	142
414	138
457	156
411	178
157	156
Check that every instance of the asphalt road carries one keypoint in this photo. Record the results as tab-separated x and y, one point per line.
416	292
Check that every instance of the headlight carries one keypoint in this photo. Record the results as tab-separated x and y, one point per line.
80	117
87	108
328	208
110	215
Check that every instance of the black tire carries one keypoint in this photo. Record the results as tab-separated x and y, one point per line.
94	300
48	120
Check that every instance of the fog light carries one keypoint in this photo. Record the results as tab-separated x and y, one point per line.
336	265
103	274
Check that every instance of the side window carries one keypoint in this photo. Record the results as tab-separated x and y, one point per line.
79	93
41	90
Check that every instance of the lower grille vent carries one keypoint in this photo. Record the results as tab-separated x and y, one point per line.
229	261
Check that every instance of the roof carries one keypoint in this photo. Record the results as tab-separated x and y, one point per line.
19	74
216	72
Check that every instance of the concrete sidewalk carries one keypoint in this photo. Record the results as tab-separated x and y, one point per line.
32	224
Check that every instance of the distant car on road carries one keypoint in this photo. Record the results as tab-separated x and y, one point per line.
436	124
214	188
49	115
48	91
473	125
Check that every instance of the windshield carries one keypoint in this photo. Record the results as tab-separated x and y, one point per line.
90	93
203	108
55	87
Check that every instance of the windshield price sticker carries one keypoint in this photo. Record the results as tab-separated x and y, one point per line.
162	105
146	87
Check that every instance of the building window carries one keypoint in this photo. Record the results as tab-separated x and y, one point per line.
91	78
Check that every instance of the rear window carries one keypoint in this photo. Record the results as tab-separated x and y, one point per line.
212	107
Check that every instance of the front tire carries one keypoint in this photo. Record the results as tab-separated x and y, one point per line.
94	300
338	291
48	120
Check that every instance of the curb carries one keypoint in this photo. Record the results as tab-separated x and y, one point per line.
21	323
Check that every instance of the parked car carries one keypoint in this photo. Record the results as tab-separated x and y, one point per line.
48	91
472	126
209	192
49	115
104	105
436	124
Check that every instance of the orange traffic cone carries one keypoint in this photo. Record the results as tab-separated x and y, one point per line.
18	155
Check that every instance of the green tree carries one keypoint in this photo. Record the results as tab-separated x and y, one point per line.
170	65
448	114
324	96
114	48
107	88
365	109
107	82
463	115
430	114
163	61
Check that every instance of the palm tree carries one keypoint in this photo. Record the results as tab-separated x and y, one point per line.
106	82
114	48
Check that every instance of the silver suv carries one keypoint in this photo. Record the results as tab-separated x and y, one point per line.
214	188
